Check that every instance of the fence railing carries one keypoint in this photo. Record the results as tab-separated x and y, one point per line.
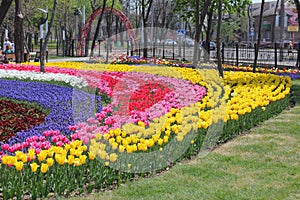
234	55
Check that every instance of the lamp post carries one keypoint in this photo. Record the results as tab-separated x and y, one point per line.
77	12
42	21
63	41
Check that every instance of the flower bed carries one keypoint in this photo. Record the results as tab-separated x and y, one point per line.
135	132
17	116
56	99
292	73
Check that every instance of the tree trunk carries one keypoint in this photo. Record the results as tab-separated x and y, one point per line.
297	3
199	24
282	31
259	35
29	41
87	43
117	29
273	23
220	68
198	31
208	34
19	32
121	30
5	4
42	67
98	27
109	20
145	16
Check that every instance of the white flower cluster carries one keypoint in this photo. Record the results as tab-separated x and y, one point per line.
21	75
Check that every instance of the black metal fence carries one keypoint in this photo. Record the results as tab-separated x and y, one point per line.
275	57
233	55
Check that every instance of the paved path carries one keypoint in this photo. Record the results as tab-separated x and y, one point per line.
69	59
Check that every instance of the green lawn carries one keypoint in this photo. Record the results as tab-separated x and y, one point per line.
262	164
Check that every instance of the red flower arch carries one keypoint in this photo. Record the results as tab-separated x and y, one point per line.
86	27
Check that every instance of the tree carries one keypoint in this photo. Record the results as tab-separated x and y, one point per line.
19	33
259	35
220	68
98	28
146	7
5	5
42	57
297	3
273	22
109	20
199	24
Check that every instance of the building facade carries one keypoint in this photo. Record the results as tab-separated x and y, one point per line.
271	27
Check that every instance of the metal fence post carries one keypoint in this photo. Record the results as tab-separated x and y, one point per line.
131	48
163	50
127	47
73	44
237	54
139	50
183	53
275	55
222	52
153	49
173	48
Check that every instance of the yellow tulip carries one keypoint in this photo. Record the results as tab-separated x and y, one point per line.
34	167
98	136
102	154
19	165
31	154
77	162
160	141
165	139
44	168
50	162
121	148
82	159
91	156
113	157
42	155
114	145
71	159
78	152
60	159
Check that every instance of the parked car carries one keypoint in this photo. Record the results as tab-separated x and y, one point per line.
212	45
189	42
169	42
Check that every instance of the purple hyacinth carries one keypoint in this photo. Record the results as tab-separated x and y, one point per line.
67	105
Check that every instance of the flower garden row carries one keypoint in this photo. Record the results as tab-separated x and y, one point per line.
155	115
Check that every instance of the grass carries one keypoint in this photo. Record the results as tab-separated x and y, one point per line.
262	164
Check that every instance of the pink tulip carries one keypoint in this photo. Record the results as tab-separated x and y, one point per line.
5	147
37	150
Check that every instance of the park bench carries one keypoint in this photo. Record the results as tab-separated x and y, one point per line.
10	56
38	56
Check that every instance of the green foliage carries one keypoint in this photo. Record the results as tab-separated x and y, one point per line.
229	7
231	26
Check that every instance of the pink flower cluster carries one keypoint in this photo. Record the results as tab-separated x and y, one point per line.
180	93
32	68
38	143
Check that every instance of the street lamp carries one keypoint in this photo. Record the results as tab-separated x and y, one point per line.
42	22
77	12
